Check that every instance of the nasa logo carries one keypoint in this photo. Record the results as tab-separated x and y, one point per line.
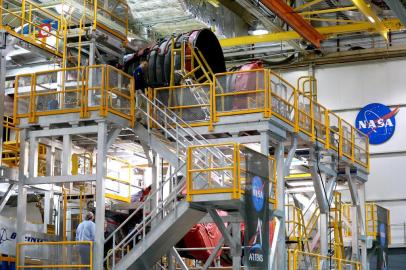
258	193
377	121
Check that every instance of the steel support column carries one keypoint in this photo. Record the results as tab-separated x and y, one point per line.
98	253
22	192
280	175
362	223
2	89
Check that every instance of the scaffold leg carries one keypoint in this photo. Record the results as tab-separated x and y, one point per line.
280	169
98	253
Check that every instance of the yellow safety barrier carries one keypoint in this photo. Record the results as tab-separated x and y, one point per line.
265	92
55	255
223	169
371	218
81	90
34	23
295	227
192	102
118	179
11	143
112	16
240	92
303	260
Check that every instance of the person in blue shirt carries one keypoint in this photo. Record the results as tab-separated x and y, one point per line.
86	231
140	75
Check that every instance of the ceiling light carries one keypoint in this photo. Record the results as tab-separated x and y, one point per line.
258	30
62	8
214	3
372	20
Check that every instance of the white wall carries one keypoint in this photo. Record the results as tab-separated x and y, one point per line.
349	87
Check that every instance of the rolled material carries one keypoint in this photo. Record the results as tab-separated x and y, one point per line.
159	57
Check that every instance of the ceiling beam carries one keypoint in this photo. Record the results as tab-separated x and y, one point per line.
372	17
327	32
294	20
398	8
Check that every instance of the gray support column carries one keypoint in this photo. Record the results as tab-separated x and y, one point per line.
100	195
48	201
236	252
67	154
33	157
281	244
354	234
323	234
2	89
264	143
22	192
362	224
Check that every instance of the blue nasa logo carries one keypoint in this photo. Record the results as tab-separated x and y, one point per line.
377	121
258	193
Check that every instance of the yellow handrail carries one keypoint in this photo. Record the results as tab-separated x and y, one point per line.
264	91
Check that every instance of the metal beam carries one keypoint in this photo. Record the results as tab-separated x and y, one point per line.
220	224
178	258
294	20
370	14
398	8
327	31
6	196
3	40
60	179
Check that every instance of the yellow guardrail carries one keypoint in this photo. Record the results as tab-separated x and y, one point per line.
295	227
34	23
304	260
183	100
223	169
55	255
263	91
81	90
114	12
118	179
371	220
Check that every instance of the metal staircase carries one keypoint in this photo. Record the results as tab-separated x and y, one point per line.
165	218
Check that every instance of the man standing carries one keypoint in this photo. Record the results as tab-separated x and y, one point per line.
140	75
86	232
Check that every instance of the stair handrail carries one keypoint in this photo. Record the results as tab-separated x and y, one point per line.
147	220
178	188
141	207
181	123
174	174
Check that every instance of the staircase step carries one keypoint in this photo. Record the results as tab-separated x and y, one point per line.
161	238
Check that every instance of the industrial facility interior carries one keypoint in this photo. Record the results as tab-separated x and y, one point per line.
203	134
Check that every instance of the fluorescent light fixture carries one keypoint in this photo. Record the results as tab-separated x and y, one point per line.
372	20
62	8
258	30
214	3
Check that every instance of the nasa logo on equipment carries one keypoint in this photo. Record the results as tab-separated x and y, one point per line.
377	121
257	193
258	200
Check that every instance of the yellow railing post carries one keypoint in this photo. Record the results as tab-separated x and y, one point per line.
352	144
189	184
236	179
327	123
296	110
